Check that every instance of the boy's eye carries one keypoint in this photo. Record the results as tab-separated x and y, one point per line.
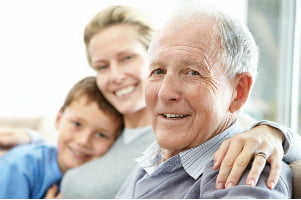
101	135
128	57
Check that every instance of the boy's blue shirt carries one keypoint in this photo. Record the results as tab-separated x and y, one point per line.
28	171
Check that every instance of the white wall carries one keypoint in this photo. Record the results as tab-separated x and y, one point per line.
41	50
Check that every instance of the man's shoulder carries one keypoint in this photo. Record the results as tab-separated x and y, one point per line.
241	190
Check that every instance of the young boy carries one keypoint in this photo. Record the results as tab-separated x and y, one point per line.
87	124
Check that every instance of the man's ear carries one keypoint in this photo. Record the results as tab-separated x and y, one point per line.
58	119
243	84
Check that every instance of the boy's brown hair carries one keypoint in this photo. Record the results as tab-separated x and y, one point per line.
87	87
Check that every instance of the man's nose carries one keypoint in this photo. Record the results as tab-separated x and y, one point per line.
170	89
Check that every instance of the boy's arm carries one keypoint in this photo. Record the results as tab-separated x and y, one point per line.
35	137
13	181
52	193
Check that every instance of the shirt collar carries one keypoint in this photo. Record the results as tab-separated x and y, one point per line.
193	160
151	158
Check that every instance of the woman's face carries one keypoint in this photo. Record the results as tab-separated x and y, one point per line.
121	62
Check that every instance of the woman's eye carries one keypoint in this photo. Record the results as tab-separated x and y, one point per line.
100	135
76	124
101	67
193	73
128	57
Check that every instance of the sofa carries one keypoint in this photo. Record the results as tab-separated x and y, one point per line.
46	127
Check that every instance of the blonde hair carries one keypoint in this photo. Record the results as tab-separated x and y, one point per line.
115	15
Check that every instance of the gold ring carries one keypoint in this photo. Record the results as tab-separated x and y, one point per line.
261	153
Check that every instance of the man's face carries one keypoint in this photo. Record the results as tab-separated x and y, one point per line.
187	90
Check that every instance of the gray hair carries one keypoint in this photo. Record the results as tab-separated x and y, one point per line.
237	51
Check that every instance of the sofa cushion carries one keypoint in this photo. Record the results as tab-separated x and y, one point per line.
296	169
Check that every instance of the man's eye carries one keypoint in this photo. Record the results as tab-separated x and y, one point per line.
158	72
194	73
101	135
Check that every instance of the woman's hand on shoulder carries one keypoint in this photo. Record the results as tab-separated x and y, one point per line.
235	154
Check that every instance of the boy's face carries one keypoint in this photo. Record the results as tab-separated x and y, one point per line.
85	133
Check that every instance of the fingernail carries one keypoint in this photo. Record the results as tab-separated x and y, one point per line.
214	165
251	183
228	185
220	186
272	185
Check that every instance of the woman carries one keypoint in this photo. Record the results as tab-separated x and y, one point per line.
116	40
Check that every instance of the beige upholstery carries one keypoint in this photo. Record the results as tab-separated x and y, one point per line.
18	122
296	169
44	125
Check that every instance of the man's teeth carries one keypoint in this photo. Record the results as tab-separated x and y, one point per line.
125	91
172	116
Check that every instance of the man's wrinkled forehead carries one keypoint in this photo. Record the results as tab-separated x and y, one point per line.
178	30
184	35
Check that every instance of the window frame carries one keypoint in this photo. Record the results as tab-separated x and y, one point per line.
289	72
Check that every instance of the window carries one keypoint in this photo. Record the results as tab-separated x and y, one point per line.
275	96
41	64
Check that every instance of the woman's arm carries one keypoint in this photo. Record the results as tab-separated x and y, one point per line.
236	153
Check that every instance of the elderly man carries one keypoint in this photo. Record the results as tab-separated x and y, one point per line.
202	68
